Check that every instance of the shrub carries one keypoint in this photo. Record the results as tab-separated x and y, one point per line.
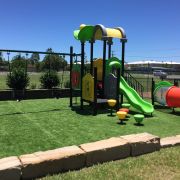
67	84
33	86
18	79
49	80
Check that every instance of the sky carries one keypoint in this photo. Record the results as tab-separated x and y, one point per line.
152	26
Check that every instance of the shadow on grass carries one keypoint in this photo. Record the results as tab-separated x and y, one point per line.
161	107
84	111
88	110
109	115
121	123
34	112
126	119
138	124
145	115
168	110
177	113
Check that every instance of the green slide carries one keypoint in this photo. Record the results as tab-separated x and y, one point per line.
134	99
131	95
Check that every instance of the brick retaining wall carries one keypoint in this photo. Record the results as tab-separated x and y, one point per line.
42	163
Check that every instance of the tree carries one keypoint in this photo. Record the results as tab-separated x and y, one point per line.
18	61
49	80
63	63
34	59
1	56
3	63
53	61
17	79
1	59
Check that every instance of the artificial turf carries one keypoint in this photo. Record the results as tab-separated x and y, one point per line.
36	125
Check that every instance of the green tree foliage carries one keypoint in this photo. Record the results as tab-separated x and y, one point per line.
49	80
53	61
3	63
1	59
34	58
17	79
18	61
1	56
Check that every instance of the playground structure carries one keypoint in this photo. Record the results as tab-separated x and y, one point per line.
166	94
106	77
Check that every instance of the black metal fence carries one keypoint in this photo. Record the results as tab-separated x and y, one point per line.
35	63
145	79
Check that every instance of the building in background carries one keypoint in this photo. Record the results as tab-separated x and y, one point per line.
150	66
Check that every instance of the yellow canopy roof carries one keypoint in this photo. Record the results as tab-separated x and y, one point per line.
100	32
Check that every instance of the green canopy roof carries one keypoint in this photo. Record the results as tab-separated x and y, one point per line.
85	34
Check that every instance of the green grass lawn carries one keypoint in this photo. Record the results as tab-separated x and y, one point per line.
33	125
162	165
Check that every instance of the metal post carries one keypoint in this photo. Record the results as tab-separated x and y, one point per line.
91	56
152	91
117	89
123	41
95	92
109	48
104	65
8	53
175	82
71	64
82	69
49	61
26	64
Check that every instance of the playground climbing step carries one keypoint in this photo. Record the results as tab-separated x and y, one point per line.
42	163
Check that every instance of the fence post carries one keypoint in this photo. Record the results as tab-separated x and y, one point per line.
175	82
123	41
95	92
152	91
104	65
91	56
117	88
71	63
82	69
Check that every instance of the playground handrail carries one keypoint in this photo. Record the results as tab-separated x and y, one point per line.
134	83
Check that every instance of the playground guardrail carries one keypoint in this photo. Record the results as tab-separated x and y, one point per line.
134	83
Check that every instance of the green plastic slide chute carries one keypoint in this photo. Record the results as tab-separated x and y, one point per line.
134	99
131	95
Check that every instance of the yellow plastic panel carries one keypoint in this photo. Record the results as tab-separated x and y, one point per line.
114	33
88	87
99	65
